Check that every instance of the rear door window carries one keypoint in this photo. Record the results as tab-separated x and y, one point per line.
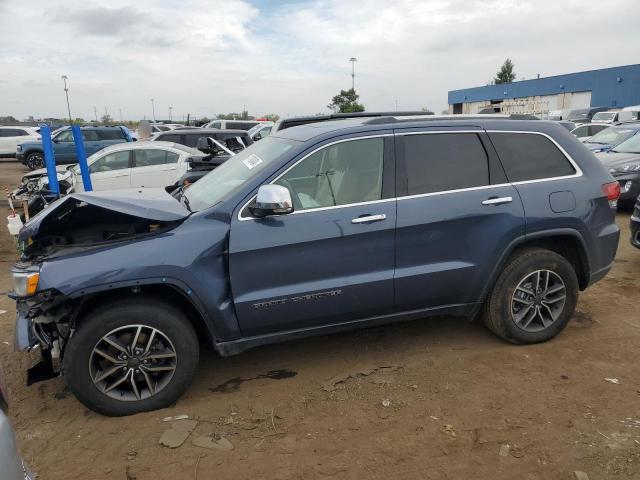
439	162
192	139
111	134
529	156
170	138
150	157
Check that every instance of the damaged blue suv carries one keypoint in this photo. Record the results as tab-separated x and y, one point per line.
315	229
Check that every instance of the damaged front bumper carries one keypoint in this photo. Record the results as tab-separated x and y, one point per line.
42	325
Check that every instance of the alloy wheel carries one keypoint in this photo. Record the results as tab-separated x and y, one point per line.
132	363
35	161
538	300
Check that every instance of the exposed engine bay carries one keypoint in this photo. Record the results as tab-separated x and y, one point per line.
85	220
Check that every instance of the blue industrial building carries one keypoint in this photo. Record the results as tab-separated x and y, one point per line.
615	88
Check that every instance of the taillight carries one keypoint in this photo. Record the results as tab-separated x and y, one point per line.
612	192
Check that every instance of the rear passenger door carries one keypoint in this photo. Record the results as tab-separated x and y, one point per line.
153	167
456	214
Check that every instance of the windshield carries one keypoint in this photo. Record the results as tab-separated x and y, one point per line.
611	136
240	168
632	145
604	116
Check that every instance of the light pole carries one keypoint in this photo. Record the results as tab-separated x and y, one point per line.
396	104
120	110
66	92
153	110
170	108
353	61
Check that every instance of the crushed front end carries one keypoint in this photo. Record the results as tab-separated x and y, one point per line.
43	321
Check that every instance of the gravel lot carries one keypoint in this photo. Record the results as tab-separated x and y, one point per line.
431	399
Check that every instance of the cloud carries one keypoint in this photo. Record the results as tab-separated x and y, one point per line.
205	57
101	21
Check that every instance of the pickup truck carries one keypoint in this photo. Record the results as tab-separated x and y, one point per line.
312	230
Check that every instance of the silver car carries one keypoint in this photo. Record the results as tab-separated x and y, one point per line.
11	465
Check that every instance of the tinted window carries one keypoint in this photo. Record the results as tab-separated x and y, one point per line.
12	132
170	138
149	157
111	134
440	162
341	174
216	125
527	156
90	135
110	162
192	139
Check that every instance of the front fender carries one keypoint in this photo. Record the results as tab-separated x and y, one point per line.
191	258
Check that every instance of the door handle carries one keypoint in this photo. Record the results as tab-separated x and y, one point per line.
497	200
369	218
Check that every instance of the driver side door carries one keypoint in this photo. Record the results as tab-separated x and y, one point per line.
331	261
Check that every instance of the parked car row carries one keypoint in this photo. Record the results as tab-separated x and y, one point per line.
367	220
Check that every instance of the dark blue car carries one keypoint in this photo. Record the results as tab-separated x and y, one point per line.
315	229
31	154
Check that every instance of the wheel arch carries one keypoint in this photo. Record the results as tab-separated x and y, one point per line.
566	242
164	291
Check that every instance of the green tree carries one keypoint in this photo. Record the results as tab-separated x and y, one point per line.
346	102
272	117
506	73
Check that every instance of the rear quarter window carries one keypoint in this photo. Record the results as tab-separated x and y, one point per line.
529	156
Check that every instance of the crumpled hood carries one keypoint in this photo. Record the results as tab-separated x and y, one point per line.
43	171
149	203
615	160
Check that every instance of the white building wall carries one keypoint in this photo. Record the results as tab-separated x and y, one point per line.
536	105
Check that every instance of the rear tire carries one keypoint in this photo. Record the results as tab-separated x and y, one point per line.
148	345
533	298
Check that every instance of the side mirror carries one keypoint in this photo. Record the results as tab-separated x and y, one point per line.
272	200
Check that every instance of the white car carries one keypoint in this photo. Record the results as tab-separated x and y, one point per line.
260	131
587	130
124	165
11	137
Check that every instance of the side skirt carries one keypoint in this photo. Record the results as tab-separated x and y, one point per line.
235	347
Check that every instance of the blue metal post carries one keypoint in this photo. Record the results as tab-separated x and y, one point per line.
81	155
50	159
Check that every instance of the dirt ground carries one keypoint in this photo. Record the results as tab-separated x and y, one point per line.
431	399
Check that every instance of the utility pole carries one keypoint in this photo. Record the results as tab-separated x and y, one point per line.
153	110
170	108
396	104
353	61
66	92
120	111
95	112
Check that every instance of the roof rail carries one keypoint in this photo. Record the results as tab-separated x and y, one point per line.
297	121
431	118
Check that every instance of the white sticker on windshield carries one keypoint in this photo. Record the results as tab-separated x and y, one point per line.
252	161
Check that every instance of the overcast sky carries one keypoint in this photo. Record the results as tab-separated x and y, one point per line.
290	57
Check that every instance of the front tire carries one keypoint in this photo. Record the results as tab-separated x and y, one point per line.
35	160
131	356
533	298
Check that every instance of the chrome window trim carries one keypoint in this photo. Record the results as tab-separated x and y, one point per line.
351	139
578	170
